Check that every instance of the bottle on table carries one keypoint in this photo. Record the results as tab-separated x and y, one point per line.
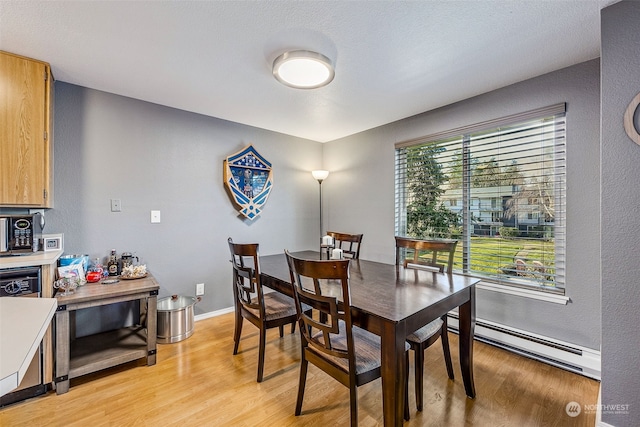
97	266
112	264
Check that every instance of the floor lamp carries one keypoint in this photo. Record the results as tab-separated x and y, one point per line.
320	175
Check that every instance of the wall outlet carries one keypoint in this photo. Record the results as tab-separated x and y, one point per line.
116	205
200	289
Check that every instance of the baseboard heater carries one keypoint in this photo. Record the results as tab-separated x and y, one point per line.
564	355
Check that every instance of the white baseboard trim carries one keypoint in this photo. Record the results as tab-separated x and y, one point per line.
599	422
210	314
581	360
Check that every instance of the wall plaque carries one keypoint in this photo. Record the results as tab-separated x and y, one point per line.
248	179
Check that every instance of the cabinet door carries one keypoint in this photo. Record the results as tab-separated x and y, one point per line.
24	145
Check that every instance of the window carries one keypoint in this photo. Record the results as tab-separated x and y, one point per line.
508	176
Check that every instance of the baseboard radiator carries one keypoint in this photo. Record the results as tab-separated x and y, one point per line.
564	355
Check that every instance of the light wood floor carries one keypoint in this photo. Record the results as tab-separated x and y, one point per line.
198	382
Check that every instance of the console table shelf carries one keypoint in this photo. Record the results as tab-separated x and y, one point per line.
100	351
75	357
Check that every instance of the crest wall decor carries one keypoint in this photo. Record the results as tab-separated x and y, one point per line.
248	178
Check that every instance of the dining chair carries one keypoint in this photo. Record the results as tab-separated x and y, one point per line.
349	243
265	311
421	339
346	352
419	247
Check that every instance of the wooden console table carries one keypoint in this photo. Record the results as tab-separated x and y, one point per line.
79	356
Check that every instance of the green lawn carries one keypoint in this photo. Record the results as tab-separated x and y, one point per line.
496	254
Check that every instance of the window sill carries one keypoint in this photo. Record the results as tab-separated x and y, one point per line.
527	293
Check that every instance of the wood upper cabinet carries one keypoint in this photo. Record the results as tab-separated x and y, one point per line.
26	139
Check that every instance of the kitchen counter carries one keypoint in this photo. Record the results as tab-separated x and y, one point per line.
37	258
49	263
23	324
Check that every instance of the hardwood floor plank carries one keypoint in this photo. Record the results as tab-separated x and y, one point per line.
198	382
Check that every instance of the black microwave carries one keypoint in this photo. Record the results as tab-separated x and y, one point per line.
20	234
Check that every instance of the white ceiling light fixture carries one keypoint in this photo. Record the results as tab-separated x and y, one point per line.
303	69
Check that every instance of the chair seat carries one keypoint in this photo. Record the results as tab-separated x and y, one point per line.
367	348
276	306
426	332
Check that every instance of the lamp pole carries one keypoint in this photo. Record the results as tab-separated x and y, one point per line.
320	175
320	184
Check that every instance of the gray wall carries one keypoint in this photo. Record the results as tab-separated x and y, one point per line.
620	202
360	194
154	157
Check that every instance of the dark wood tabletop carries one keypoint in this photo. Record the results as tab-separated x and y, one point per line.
392	302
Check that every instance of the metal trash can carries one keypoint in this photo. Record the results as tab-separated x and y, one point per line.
175	318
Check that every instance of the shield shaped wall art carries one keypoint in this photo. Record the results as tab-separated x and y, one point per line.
248	178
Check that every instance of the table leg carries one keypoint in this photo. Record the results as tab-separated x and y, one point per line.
467	319
393	373
63	350
152	328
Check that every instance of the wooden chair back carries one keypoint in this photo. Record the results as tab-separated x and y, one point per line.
265	311
349	243
328	338
420	246
316	284
247	288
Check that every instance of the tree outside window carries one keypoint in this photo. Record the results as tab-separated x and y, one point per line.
500	191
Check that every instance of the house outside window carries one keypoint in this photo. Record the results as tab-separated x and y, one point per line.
499	188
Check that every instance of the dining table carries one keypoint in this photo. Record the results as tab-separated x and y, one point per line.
392	301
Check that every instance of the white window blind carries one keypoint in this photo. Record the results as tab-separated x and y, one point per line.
499	188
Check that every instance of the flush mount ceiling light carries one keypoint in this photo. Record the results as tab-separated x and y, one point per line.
303	69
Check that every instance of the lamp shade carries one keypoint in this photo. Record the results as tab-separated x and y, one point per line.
303	69
320	175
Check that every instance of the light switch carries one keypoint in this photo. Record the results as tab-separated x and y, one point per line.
155	217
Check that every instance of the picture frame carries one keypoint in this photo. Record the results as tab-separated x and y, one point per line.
52	242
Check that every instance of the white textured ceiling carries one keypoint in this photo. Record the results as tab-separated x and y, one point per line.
393	59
